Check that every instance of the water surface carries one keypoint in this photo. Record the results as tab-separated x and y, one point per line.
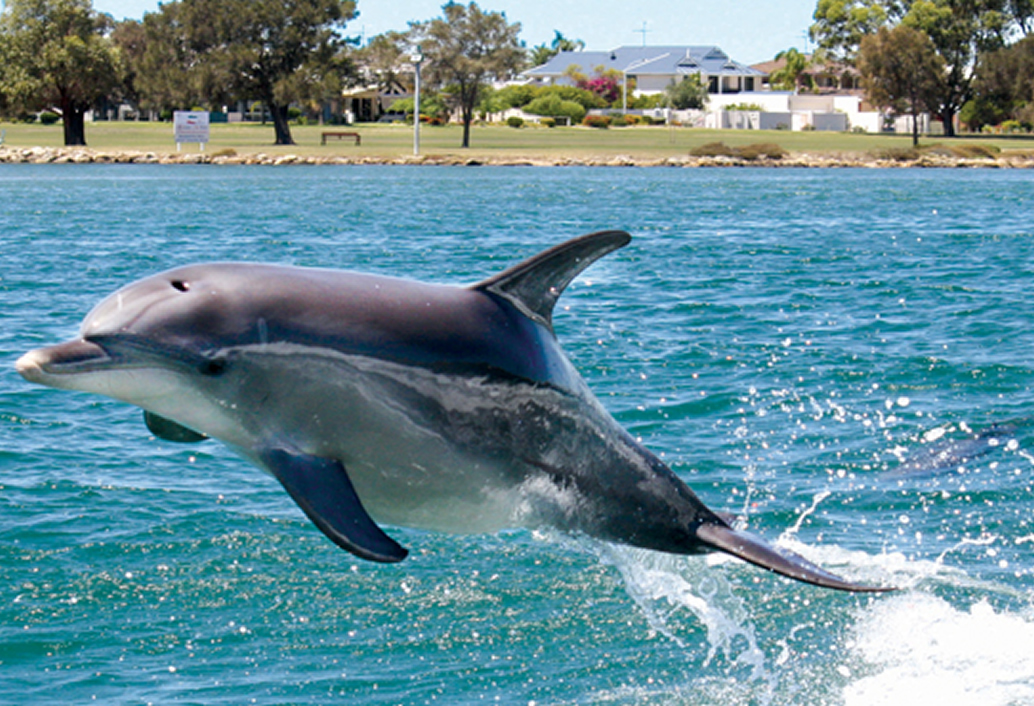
843	355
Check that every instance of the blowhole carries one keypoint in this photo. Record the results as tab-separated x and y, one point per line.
180	285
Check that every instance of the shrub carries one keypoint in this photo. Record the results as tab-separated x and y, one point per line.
547	122
746	106
586	99
976	151
713	149
751	152
515	121
48	117
553	105
633	119
515	96
898	154
757	150
597	121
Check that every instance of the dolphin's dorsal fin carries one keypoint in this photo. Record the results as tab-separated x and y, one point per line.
534	285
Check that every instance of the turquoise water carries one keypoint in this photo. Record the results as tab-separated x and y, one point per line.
845	356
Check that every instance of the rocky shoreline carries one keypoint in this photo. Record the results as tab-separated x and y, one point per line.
81	155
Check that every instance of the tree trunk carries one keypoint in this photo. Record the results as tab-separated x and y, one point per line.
915	122
73	119
280	126
468	99
948	118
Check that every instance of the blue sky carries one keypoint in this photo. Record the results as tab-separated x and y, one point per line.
748	30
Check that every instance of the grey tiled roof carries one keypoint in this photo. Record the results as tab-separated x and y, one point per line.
643	61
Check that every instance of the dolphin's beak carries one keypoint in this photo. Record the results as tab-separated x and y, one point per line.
46	366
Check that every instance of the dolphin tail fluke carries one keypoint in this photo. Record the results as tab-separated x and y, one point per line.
782	561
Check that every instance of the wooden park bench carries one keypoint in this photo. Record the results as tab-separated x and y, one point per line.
340	136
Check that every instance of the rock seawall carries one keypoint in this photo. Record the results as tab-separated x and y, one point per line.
81	155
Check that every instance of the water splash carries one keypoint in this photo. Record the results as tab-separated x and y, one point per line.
663	585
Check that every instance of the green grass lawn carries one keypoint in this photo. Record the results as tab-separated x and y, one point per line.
487	141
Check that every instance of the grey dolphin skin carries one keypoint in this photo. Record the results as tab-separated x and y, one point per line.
380	400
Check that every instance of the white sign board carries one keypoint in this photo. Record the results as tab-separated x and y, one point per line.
189	126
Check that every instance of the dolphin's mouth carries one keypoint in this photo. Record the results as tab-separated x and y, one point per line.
71	358
108	352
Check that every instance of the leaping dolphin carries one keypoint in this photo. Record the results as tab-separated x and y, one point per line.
380	400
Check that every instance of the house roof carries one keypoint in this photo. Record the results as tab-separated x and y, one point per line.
643	61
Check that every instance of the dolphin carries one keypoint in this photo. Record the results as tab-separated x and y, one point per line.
375	400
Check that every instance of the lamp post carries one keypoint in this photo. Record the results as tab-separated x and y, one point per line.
417	58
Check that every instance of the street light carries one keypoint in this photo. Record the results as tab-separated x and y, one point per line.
416	58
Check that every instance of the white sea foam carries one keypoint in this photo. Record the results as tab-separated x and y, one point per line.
919	649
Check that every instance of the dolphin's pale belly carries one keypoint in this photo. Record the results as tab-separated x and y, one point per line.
440	450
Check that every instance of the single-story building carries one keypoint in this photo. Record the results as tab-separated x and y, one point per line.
653	68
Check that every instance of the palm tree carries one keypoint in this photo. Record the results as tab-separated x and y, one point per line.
792	76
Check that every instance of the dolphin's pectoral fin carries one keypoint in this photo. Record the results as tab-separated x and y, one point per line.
169	430
781	561
533	286
324	492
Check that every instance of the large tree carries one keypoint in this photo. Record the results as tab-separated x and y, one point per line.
1004	86
466	50
161	63
901	71
56	54
212	51
270	50
959	30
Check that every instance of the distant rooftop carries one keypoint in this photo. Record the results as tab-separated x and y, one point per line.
644	61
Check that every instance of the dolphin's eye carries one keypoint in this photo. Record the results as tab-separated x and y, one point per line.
213	367
180	285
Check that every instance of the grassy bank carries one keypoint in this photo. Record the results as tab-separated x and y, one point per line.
387	142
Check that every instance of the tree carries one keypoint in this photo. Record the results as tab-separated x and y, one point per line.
55	53
384	62
689	93
792	75
268	50
161	64
901	70
465	51
1004	86
840	25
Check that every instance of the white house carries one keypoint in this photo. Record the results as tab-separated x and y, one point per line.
653	68
730	85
